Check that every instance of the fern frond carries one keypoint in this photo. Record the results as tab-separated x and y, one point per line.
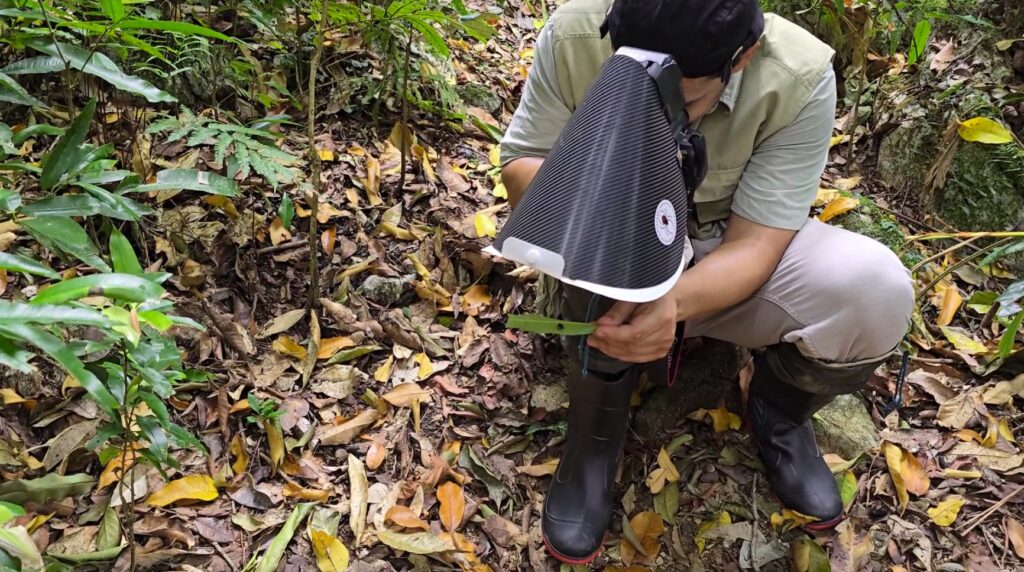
221	147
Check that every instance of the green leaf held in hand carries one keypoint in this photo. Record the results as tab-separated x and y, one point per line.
544	325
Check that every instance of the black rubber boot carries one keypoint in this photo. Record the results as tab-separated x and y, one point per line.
779	410
578	507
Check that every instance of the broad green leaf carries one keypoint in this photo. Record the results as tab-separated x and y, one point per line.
109	534
847	483
286	211
14	357
60	351
351	354
21	313
544	325
64	206
158	320
67	150
36	65
101	66
415	542
16	542
122	323
113	9
123	287
116	206
272	557
37	130
984	130
1010	335
177	27
65	235
12	92
1003	45
189	180
51	487
20	263
809	556
9	201
8	511
1009	300
964	342
919	44
122	255
1002	252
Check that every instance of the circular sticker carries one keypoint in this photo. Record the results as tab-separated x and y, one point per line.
665	222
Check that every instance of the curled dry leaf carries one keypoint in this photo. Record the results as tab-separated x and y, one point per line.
906	472
544	469
837	207
331	554
647	528
358	499
946	511
293	490
405	394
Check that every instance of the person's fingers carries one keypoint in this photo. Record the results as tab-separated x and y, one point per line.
623	335
618	314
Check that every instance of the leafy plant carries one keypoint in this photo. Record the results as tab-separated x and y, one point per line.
263	410
240	149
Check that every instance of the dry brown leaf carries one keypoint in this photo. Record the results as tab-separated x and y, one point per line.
648	528
278	233
1015	531
113	471
405	394
372	181
453	505
476	299
544	469
295	491
944	57
275	441
956	412
376	454
405	517
344	433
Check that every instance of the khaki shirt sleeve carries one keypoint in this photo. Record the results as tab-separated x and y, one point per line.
542	111
782	177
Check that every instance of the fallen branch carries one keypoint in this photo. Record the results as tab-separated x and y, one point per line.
283	247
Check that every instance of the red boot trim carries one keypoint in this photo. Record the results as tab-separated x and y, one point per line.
567	560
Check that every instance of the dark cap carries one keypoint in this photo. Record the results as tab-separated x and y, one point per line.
703	36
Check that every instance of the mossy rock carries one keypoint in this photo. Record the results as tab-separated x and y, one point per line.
985	188
478	95
907	153
873	222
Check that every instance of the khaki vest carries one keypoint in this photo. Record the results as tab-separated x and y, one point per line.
773	89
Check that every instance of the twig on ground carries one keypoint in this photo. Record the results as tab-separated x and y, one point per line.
313	196
753	524
969	526
284	246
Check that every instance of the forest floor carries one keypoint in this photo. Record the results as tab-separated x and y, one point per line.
423	425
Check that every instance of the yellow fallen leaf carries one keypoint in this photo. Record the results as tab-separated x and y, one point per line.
223	203
722	420
964	342
278	233
1005	432
961	474
946	511
837	139
494	155
396	231
500	191
113	471
848	183
453	505
838	206
111	118
405	517
371	183
325	154
241	454
486	225
418	265
984	130
544	469
791	518
951	301
331	554
720	519
10	396
908	476
331	346
475	298
825	196
295	491
192	487
425	367
289	347
275	441
383	372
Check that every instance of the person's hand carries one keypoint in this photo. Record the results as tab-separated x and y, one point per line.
637	333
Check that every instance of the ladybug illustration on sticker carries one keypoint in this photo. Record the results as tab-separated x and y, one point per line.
665	222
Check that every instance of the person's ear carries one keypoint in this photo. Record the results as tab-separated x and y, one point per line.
743	59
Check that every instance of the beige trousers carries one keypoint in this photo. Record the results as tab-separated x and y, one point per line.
842	298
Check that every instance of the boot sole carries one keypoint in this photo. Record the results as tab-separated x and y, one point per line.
568	559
